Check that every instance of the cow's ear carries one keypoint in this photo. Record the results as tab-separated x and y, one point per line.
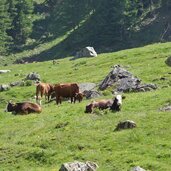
123	97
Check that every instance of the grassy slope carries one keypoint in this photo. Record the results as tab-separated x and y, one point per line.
36	142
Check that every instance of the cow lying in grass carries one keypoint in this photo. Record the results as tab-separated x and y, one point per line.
114	105
23	108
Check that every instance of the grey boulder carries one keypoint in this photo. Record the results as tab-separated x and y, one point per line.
79	166
86	52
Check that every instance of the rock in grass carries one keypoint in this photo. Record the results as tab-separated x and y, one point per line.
4	71
86	86
128	124
89	90
86	52
165	108
168	61
33	76
91	94
17	83
79	166
137	168
124	81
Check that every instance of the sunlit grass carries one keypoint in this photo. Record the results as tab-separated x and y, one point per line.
65	133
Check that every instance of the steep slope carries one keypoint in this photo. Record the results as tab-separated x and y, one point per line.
65	133
60	28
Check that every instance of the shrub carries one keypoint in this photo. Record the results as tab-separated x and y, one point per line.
28	83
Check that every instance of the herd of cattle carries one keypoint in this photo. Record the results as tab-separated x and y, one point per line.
67	90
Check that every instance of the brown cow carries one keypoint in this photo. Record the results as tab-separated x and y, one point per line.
79	96
44	89
23	108
100	104
66	90
114	105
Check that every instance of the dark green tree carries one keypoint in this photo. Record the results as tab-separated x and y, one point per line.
4	24
21	26
109	22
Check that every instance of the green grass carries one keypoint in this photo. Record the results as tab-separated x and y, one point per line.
64	133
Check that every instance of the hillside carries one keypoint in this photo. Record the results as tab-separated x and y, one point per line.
51	29
65	133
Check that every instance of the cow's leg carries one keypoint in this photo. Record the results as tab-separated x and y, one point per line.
71	99
37	97
75	99
49	96
41	94
37	93
58	100
45	97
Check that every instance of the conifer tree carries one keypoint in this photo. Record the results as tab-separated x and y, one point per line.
110	21
4	24
21	24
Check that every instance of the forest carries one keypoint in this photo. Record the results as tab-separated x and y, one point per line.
106	25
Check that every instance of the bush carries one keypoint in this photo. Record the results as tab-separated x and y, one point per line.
28	83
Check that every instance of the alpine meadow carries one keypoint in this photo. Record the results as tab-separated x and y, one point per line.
48	38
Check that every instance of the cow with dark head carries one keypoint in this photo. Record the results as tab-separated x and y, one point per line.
66	90
114	105
117	103
23	108
79	96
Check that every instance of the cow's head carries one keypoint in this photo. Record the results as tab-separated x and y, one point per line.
89	108
116	106
10	107
79	96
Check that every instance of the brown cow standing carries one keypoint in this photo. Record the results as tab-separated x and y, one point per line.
66	90
44	89
23	108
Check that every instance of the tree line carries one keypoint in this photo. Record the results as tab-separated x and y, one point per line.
15	23
113	19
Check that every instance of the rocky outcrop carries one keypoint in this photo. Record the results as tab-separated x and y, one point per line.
124	81
86	52
79	166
